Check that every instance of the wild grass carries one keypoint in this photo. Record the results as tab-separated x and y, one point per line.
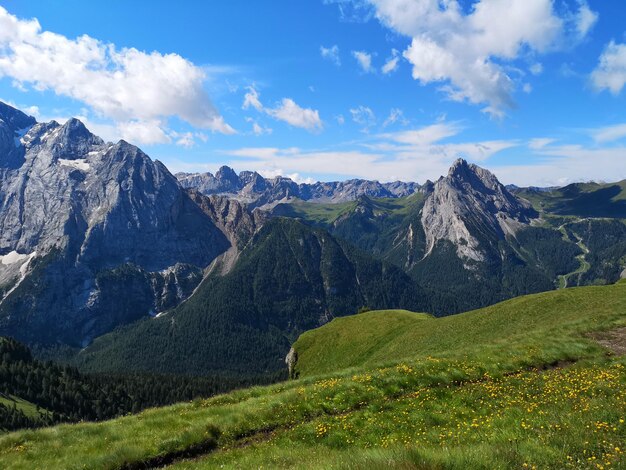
560	418
382	336
487	398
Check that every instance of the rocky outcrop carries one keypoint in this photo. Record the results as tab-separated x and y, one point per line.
470	208
233	218
256	191
102	232
291	360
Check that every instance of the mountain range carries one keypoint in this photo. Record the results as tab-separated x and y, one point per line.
110	260
257	191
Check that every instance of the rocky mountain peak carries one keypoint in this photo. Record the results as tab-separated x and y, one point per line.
13	125
460	168
105	218
226	173
14	118
469	206
468	173
73	140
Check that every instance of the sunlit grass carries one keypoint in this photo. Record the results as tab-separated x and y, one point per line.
459	402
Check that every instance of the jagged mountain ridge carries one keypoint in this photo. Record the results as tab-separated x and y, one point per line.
258	191
92	234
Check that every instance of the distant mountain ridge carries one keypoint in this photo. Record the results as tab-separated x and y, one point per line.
254	189
97	237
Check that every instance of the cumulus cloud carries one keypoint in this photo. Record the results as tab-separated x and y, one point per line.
251	99
295	115
465	50
585	20
122	84
363	116
610	74
536	69
287	110
331	54
258	129
392	63
364	59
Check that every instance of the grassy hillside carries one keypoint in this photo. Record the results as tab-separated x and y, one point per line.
581	199
536	316
517	385
356	340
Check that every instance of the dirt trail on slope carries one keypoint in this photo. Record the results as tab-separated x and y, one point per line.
613	340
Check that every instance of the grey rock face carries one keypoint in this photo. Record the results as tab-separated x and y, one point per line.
104	232
291	360
468	207
253	189
231	217
13	124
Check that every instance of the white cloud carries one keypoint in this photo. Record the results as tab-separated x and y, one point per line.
364	59
258	129
610	133
331	54
610	74
539	143
251	99
392	63
287	110
585	20
424	136
146	132
413	155
395	115
424	153
125	85
295	177
186	140
340	119
536	69
465	50
560	165
296	116
527	88
363	116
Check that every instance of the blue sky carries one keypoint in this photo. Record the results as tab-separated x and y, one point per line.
334	89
